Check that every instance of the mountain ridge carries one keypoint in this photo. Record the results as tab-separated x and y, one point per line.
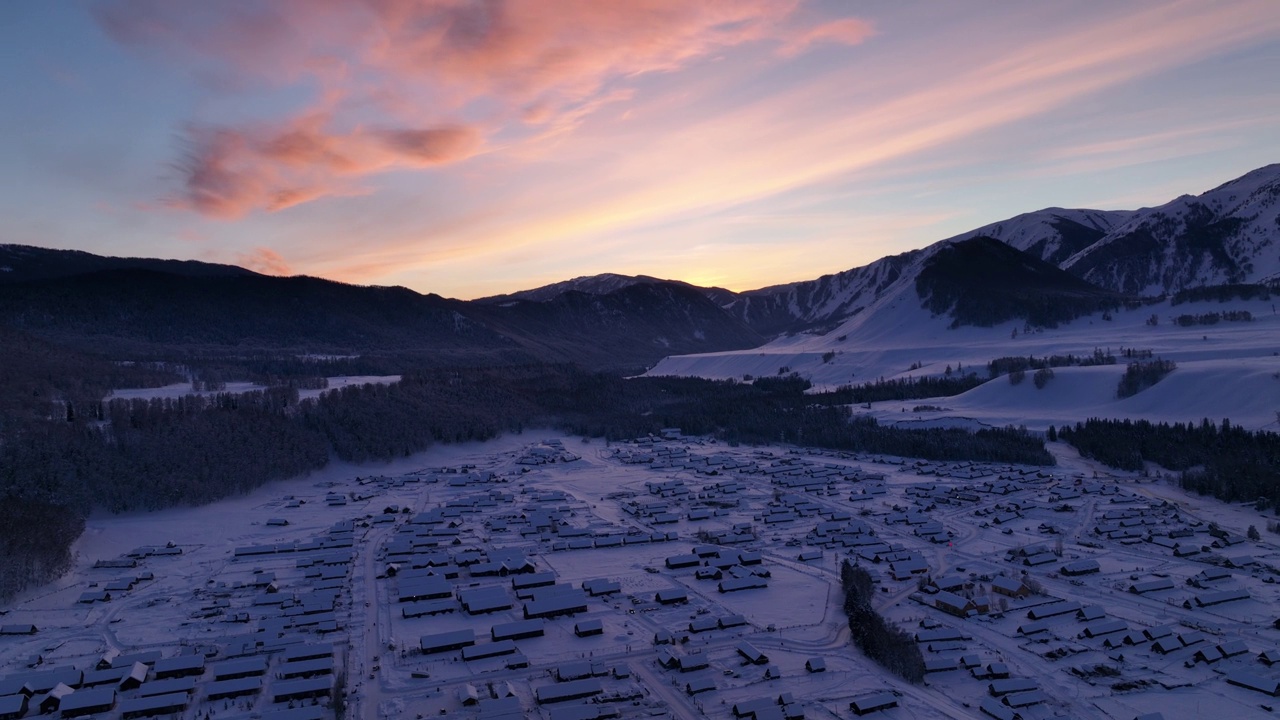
1221	236
23	263
140	313
141	306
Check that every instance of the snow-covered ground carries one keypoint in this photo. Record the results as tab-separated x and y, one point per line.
1228	370
178	390
579	509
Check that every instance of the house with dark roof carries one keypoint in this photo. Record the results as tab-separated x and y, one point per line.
1252	681
88	702
1009	587
447	641
873	702
13	707
1081	567
670	596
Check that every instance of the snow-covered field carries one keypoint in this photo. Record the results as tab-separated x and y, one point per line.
178	390
472	517
1227	370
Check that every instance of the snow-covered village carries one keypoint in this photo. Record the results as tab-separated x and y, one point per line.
665	576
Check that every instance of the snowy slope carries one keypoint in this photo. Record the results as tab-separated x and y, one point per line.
1226	235
1228	370
829	299
1241	389
1053	234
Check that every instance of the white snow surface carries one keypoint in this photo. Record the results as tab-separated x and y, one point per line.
178	390
1228	370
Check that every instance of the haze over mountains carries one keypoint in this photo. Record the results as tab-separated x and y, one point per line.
1049	267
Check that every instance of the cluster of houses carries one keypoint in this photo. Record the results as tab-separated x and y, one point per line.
584	691
546	452
733	569
799	484
946	649
279	658
147	684
1163	526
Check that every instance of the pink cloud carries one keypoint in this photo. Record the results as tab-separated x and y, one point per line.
846	31
265	261
521	49
442	74
230	172
431	146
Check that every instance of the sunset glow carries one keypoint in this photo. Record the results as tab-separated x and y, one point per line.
473	148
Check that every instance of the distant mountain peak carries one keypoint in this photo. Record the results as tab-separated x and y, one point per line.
601	284
1263	175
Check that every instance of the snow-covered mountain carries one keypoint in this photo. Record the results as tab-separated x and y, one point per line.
1226	235
602	284
1053	234
1034	285
1230	234
824	302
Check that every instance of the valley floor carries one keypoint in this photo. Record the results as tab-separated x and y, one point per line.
297	572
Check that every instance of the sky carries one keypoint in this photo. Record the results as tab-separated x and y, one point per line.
475	148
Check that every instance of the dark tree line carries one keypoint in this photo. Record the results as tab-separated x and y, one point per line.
1213	318
272	370
910	388
35	543
136	454
1223	293
1222	460
380	422
1014	363
1142	374
888	645
39	379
